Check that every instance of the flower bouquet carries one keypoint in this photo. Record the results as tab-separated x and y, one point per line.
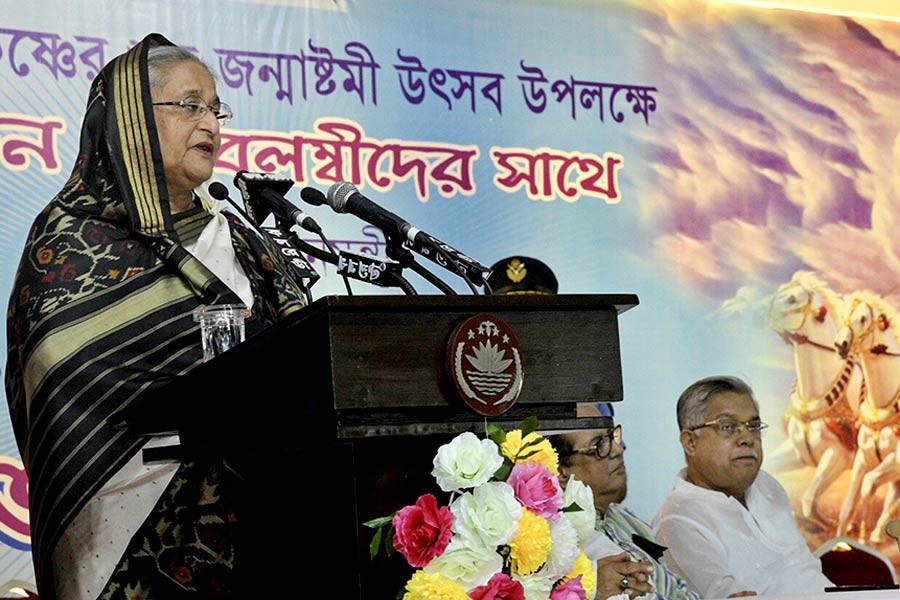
508	531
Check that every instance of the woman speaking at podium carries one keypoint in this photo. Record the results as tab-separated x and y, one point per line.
101	315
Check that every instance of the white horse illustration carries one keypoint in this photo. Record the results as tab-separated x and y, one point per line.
820	416
869	332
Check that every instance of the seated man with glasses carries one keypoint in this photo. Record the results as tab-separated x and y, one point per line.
728	525
624	543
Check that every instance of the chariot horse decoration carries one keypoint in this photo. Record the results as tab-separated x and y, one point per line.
820	419
869	332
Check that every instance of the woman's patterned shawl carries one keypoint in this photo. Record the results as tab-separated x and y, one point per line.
101	309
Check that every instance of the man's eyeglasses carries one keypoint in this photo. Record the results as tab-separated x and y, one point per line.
728	427
603	445
195	109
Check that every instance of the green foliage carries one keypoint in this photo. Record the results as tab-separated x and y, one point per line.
529	424
375	544
496	433
378	524
503	472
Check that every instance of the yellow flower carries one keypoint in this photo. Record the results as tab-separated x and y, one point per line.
541	452
423	586
584	567
532	546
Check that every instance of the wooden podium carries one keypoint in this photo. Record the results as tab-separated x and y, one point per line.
334	416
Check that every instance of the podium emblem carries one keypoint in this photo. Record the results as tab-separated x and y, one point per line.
485	364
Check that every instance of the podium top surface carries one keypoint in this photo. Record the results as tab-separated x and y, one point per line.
509	302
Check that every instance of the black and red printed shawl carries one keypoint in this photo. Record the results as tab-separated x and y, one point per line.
101	309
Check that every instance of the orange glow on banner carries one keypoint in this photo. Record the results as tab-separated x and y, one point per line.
887	10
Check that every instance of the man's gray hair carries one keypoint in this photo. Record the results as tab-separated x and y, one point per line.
693	400
161	59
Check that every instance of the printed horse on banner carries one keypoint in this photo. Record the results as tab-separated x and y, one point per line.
869	332
820	419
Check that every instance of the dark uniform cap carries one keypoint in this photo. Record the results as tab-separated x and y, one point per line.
521	275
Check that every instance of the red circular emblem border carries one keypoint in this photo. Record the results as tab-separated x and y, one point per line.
484	362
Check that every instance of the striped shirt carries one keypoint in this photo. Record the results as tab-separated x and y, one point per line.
619	524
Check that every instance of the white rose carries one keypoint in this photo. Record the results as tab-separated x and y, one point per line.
537	587
465	462
582	520
488	515
469	565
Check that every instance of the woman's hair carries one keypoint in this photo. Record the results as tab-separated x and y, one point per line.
692	402
161	60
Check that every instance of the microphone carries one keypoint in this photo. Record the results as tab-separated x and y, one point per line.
344	197
264	193
313	196
218	191
276	237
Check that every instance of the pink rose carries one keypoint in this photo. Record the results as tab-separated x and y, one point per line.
570	590
500	587
422	531
536	488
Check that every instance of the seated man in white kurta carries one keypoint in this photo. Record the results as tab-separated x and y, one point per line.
727	525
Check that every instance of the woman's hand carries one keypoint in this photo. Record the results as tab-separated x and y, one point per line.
619	574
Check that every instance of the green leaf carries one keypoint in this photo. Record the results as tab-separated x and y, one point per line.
526	455
389	542
536	441
574	507
375	543
379	522
529	424
496	433
503	472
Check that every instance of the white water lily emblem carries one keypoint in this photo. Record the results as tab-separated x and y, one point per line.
489	365
486	364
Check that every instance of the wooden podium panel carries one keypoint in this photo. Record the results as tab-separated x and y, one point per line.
396	353
334	416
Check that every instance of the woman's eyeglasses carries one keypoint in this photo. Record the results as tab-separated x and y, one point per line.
195	109
603	445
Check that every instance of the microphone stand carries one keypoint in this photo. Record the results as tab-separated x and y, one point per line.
451	263
332	258
404	285
333	253
403	256
258	229
460	271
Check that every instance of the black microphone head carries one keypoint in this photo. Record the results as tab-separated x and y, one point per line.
339	193
312	196
218	190
252	187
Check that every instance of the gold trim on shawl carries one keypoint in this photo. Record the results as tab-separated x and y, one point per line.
58	346
134	134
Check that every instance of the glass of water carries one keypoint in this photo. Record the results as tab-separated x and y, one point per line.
222	327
